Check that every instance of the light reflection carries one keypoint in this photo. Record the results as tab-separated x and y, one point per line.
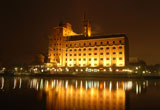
81	94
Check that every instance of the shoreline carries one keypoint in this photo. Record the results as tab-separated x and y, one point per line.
88	75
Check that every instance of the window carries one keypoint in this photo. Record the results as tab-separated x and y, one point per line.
66	54
120	52
107	42
66	45
95	43
120	41
74	59
95	48
70	49
66	59
101	48
101	53
84	59
70	45
79	49
80	54
107	53
70	54
107	48
84	44
113	42
95	53
107	58
101	59
95	59
114	47
84	54
114	53
84	49
66	50
120	47
101	43
75	49
79	59
114	58
120	58
89	59
89	54
70	59
90	44
75	55
89	49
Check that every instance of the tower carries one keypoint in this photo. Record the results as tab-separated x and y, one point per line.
86	27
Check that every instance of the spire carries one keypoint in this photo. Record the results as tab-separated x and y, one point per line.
86	27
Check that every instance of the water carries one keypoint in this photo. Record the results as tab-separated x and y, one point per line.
30	93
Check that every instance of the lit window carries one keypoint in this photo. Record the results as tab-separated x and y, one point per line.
120	58
107	58
101	53
114	47
114	58
107	48
101	48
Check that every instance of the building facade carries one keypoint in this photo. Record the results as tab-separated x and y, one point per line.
69	49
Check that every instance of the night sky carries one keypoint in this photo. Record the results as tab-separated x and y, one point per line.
25	24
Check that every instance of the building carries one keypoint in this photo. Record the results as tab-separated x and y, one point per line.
69	49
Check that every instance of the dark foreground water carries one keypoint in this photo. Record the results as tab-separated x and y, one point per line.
28	93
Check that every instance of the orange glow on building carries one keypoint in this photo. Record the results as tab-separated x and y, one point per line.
69	49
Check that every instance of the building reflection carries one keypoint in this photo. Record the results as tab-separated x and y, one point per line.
86	95
80	94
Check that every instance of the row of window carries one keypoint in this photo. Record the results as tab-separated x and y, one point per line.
91	54
95	59
95	43
94	49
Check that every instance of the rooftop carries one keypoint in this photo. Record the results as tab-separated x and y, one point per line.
82	37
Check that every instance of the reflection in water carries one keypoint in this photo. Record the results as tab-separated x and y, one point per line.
80	94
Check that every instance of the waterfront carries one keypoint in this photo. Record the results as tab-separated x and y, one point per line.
30	93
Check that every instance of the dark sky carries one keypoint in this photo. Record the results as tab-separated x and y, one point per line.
25	24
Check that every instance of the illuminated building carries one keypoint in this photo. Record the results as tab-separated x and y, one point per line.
69	49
